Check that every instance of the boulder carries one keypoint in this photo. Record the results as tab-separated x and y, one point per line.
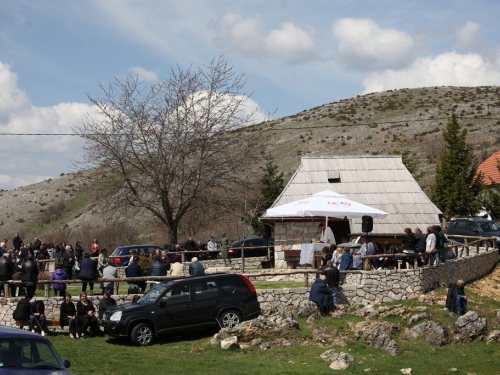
493	337
230	342
329	356
469	327
418	317
251	329
306	308
431	332
343	362
376	335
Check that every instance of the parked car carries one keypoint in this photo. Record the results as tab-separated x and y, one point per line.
192	302
121	255
473	227
257	247
24	352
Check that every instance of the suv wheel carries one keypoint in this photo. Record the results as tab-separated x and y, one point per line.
142	335
230	318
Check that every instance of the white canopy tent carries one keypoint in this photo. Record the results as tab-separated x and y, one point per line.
325	203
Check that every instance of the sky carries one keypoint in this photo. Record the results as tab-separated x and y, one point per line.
296	55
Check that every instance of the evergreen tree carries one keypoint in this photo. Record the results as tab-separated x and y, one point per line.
272	184
457	188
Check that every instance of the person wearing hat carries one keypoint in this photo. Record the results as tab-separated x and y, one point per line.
106	302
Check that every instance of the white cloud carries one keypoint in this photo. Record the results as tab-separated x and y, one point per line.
447	69
469	36
12	99
143	74
245	36
30	158
363	45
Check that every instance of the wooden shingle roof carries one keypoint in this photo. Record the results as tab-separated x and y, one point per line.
382	182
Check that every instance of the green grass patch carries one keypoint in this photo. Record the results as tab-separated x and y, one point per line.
277	284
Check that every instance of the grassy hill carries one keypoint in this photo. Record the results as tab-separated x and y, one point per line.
386	123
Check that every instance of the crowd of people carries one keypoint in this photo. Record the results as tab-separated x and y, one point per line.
80	319
415	245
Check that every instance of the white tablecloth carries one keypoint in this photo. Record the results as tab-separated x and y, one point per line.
307	252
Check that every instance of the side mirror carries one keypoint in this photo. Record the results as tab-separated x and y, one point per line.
475	230
66	363
163	303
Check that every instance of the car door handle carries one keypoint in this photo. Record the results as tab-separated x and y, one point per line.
217	300
188	305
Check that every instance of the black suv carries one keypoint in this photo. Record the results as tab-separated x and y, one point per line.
473	227
191	302
254	247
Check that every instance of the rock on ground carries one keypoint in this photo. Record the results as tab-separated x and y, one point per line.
493	337
375	334
343	362
250	329
407	371
432	332
230	342
469	327
306	308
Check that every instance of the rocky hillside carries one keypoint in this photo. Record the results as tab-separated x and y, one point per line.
383	123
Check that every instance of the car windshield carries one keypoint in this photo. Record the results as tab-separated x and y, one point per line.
117	251
28	354
489	226
152	296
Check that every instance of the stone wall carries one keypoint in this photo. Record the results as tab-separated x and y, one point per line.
359	287
52	306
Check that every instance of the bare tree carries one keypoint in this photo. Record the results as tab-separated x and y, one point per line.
163	146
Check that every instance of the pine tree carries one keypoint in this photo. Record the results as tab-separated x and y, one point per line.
456	188
272	184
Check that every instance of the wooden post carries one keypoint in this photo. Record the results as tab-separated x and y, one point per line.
306	280
366	264
477	247
46	290
115	287
6	290
243	256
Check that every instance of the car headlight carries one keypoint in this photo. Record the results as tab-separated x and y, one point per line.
116	316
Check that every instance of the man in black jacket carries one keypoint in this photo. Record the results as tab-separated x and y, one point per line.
23	309
29	276
332	279
6	269
321	294
17	242
68	261
35	246
157	268
456	300
106	302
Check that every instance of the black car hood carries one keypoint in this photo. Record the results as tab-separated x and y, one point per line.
125	307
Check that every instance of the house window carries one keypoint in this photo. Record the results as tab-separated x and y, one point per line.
333	177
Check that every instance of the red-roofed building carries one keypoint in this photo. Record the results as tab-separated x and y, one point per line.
489	167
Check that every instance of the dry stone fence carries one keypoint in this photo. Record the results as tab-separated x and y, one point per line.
359	287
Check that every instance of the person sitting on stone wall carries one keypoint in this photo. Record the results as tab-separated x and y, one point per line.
345	260
321	295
